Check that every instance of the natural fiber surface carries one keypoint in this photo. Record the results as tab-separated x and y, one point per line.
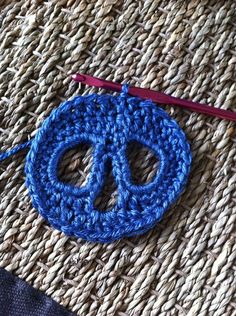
186	264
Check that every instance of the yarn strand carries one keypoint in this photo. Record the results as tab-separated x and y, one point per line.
14	150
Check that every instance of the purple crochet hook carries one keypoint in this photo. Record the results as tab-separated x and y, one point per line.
158	97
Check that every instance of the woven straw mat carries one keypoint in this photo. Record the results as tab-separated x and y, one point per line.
186	264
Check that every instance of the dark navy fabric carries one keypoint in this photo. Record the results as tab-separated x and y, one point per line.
17	298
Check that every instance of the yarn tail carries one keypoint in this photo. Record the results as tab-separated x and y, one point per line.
14	150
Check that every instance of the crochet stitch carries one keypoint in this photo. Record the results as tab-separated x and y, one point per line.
109	123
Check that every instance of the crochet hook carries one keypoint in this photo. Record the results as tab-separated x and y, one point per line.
155	96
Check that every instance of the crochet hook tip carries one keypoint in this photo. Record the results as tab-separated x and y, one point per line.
96	82
78	77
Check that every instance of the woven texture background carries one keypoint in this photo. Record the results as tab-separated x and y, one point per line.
186	264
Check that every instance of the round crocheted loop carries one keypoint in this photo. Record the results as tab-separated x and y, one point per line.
108	123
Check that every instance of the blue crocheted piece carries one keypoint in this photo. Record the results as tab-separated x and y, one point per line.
109	123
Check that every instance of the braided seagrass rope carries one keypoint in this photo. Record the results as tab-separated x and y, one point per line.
186	264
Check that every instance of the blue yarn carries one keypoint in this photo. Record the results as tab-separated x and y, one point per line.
108	123
15	150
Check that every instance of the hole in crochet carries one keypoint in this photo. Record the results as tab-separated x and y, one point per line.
75	165
107	198
143	163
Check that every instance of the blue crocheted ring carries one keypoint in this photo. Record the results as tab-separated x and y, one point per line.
109	123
